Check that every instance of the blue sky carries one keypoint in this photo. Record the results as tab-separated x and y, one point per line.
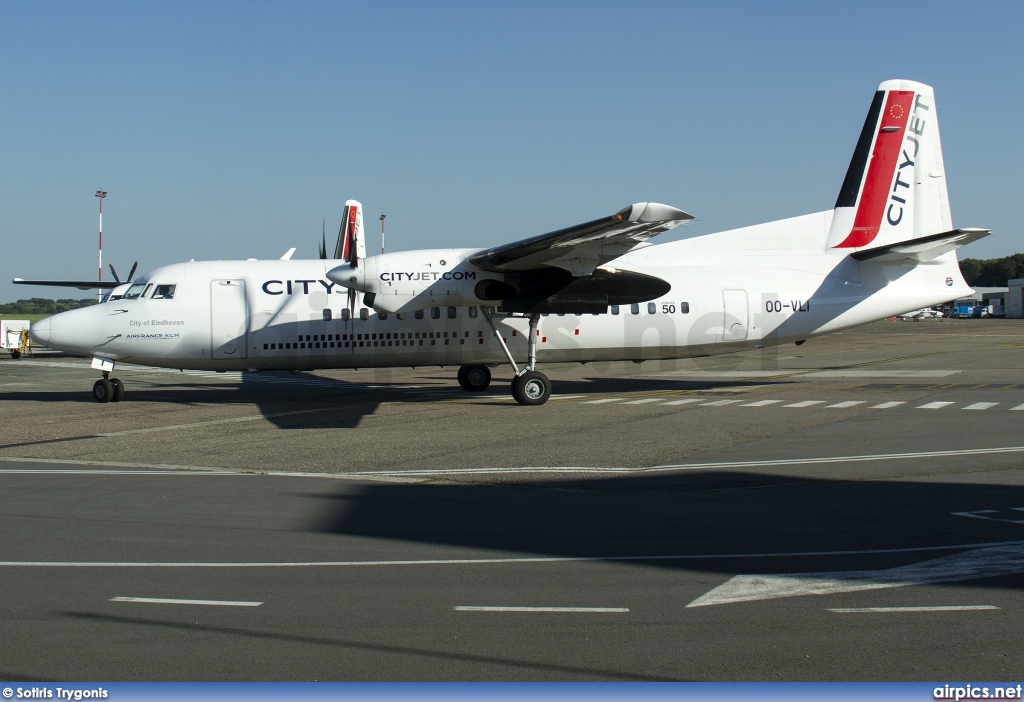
231	129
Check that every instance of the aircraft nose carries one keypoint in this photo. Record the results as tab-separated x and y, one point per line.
40	331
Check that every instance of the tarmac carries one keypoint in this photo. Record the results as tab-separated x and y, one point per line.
849	509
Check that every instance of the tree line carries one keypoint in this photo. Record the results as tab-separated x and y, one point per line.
992	272
40	305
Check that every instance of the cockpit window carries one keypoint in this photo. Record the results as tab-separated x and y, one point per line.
163	292
134	291
146	291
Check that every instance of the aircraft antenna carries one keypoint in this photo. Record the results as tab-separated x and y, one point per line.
382	216
101	193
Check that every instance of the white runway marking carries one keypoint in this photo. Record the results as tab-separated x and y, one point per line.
935	405
683	402
643	401
1018	408
887	405
208	603
719	403
844	405
942	608
601	402
413	473
806	403
499	561
761	403
981	405
971	565
471	608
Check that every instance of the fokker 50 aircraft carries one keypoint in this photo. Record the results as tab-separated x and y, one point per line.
598	291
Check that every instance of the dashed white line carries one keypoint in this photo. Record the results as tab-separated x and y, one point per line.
1018	407
602	401
843	405
206	603
472	608
719	403
887	405
940	608
935	405
806	403
643	401
981	405
761	403
687	401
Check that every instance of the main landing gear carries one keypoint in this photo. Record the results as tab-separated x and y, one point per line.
107	389
529	386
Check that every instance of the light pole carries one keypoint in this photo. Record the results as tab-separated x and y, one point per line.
101	193
382	216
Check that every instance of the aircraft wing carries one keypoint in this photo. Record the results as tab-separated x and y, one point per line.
922	249
80	284
584	247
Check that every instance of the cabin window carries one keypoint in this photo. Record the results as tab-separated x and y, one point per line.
346	315
452	311
634	308
163	292
402	315
418	314
684	307
327	315
435	313
652	308
473	312
364	314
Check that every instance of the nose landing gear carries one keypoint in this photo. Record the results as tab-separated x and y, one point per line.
106	389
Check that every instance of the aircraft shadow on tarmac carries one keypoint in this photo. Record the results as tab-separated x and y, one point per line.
341	404
717	516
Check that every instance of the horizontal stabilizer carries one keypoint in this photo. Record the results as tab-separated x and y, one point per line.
923	249
80	284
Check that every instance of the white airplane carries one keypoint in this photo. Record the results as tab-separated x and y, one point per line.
923	313
598	291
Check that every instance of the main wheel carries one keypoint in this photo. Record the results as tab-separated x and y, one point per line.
531	388
103	391
118	389
15	354
474	378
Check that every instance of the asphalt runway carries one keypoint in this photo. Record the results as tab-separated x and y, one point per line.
850	509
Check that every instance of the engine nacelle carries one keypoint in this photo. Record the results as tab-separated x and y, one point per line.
407	281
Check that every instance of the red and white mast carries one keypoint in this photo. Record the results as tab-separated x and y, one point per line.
99	260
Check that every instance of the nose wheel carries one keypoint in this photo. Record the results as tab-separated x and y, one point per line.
108	390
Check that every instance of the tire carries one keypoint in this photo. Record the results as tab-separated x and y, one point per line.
531	388
474	378
103	391
118	389
15	354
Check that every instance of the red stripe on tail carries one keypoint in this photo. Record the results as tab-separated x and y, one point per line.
884	158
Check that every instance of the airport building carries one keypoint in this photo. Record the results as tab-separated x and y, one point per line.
1015	299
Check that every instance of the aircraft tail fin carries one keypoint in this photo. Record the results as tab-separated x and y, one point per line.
895	187
351	246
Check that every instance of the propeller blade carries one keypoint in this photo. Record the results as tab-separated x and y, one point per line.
114	273
131	273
